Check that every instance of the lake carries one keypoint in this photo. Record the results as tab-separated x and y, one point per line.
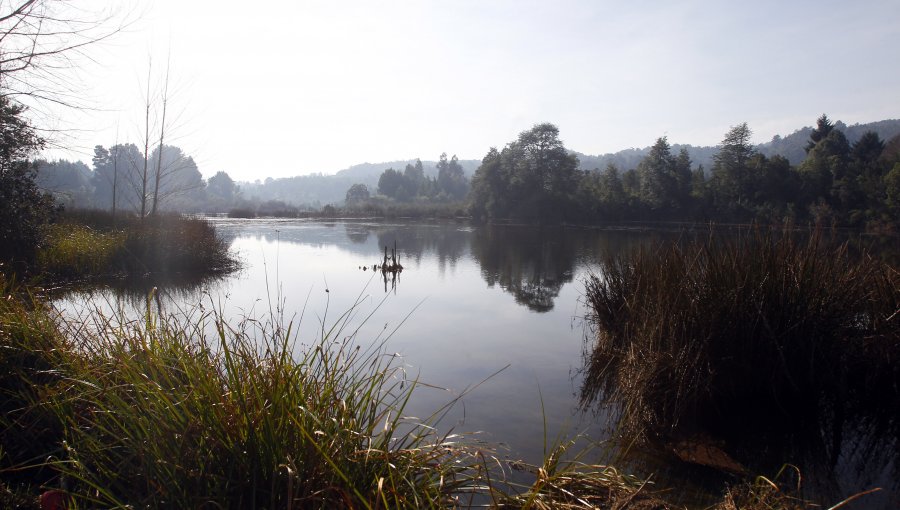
493	313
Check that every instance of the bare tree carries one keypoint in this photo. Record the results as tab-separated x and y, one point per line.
142	188
162	133
41	38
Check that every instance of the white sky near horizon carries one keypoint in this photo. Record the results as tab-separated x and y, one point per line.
287	88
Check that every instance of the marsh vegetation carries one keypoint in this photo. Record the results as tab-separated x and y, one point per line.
746	350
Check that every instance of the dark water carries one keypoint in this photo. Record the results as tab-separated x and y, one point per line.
471	301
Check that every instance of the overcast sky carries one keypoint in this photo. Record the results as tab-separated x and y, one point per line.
284	88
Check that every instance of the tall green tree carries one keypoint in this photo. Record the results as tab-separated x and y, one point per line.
657	188
537	178
221	191
825	170
823	127
490	188
396	185
356	195
732	176
24	208
451	178
177	182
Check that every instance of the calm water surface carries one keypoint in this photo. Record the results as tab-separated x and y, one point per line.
471	301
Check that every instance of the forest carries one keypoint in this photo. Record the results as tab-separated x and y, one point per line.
849	184
833	173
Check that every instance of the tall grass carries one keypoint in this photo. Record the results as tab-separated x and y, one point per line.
74	250
86	244
162	414
722	334
194	412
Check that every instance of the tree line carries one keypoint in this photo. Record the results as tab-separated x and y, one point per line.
536	178
116	182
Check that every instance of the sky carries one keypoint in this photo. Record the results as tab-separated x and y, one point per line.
284	88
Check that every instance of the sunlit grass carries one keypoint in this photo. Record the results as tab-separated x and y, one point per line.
77	250
91	244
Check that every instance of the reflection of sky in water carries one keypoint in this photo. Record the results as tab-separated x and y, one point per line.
459	330
478	299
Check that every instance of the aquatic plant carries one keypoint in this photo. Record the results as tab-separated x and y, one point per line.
91	244
729	334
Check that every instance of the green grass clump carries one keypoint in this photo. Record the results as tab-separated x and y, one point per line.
74	250
161	415
92	244
709	335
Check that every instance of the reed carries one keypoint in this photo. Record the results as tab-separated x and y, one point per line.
90	244
189	413
707	335
193	411
74	250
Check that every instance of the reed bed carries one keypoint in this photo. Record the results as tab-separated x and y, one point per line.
722	334
91	244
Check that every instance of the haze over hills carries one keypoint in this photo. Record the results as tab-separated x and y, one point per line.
318	189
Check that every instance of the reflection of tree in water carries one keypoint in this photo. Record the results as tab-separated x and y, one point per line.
447	241
357	233
531	263
177	296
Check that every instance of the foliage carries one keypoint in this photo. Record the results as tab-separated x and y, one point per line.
24	209
412	184
357	194
92	244
533	177
75	250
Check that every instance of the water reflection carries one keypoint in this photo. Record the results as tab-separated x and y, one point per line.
530	263
468	329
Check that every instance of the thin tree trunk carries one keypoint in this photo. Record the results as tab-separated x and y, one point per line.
144	175
159	153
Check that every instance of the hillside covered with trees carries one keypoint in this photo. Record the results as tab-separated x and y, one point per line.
848	183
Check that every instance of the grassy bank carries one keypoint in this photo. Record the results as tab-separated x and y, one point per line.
91	244
163	414
736	337
196	412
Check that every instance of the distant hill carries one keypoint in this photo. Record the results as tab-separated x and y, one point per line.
318	189
368	171
791	146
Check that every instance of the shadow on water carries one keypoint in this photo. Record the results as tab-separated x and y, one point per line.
534	263
178	296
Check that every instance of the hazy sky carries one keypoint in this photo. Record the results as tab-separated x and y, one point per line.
284	88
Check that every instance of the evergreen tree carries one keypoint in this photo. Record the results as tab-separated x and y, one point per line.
24	209
823	127
657	188
732	176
